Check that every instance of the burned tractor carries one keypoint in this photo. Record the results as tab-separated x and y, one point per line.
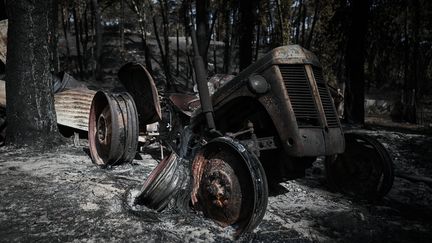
281	110
266	125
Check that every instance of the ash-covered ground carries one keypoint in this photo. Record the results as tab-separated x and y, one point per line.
61	196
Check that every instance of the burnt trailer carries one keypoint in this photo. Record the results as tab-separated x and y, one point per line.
264	126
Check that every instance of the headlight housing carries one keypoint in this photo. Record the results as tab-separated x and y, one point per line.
258	84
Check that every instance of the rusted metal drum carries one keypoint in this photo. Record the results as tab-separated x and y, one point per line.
229	185
113	128
364	170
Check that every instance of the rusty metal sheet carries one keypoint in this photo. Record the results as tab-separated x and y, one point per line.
3	39
61	83
73	107
64	81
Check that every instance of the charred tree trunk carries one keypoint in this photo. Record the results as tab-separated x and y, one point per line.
2	10
65	30
258	33
406	61
283	9
212	28
298	22
122	20
138	8
227	38
177	51
165	51
53	36
30	110
165	22
411	81
272	32
77	41
98	33
248	17
355	59
202	28
84	38
303	24
185	10
147	53
312	28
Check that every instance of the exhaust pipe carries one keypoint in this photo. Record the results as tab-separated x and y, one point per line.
200	74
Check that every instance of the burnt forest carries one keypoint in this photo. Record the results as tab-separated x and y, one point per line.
216	121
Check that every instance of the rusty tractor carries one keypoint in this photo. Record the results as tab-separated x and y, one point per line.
264	126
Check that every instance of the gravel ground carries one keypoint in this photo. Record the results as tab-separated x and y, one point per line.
61	196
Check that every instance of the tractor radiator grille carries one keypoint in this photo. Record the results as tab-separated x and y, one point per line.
300	95
327	102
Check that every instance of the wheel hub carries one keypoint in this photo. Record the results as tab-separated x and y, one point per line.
221	192
101	129
218	188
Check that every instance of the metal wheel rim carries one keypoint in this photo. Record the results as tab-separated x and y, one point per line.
250	181
113	128
161	184
372	175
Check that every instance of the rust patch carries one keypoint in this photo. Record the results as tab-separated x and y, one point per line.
73	108
220	193
198	165
185	103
